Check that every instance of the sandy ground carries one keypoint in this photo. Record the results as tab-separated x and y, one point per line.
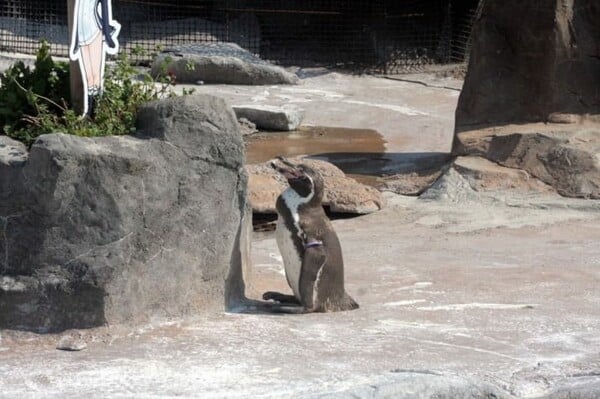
487	295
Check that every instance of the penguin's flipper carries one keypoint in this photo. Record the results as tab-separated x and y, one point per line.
281	298
313	263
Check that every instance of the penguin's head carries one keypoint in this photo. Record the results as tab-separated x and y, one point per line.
303	179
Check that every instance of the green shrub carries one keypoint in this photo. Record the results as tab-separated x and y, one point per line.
21	88
36	102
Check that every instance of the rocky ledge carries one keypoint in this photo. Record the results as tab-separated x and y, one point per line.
564	156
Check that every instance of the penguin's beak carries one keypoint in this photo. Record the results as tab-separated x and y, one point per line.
286	168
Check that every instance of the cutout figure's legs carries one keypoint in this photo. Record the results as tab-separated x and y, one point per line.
92	63
91	59
94	34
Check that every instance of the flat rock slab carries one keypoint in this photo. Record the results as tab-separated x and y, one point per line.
485	175
566	157
225	63
269	117
342	194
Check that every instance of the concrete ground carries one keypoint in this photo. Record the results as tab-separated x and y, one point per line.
462	295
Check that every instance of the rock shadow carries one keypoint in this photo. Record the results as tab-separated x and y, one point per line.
382	164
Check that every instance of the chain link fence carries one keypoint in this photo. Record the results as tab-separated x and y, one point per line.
380	36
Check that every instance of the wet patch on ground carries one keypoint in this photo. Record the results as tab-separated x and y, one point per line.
310	140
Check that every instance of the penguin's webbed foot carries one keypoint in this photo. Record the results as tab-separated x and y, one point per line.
281	298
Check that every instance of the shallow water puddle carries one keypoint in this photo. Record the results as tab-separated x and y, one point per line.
358	152
312	140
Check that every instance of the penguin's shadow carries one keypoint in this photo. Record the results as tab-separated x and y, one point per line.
385	163
258	307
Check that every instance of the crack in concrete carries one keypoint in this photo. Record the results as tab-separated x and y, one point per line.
143	202
419	82
160	252
99	247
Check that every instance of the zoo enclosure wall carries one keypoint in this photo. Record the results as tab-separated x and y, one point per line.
379	36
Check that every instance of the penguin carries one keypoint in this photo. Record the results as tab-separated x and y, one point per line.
309	246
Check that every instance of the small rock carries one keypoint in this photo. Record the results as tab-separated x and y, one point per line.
71	343
10	284
451	187
559	117
413	183
246	127
12	152
270	117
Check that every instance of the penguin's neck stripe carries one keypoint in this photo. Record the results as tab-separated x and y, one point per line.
293	201
313	244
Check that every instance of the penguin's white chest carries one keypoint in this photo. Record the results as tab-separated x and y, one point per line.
291	259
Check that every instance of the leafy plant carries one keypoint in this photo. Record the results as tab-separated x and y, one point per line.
21	88
36	102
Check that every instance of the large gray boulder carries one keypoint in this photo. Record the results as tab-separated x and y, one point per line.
530	98
121	229
532	61
225	63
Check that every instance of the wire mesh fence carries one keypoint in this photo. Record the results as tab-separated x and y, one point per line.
384	36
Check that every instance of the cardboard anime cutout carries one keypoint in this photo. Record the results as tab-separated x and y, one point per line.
94	34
